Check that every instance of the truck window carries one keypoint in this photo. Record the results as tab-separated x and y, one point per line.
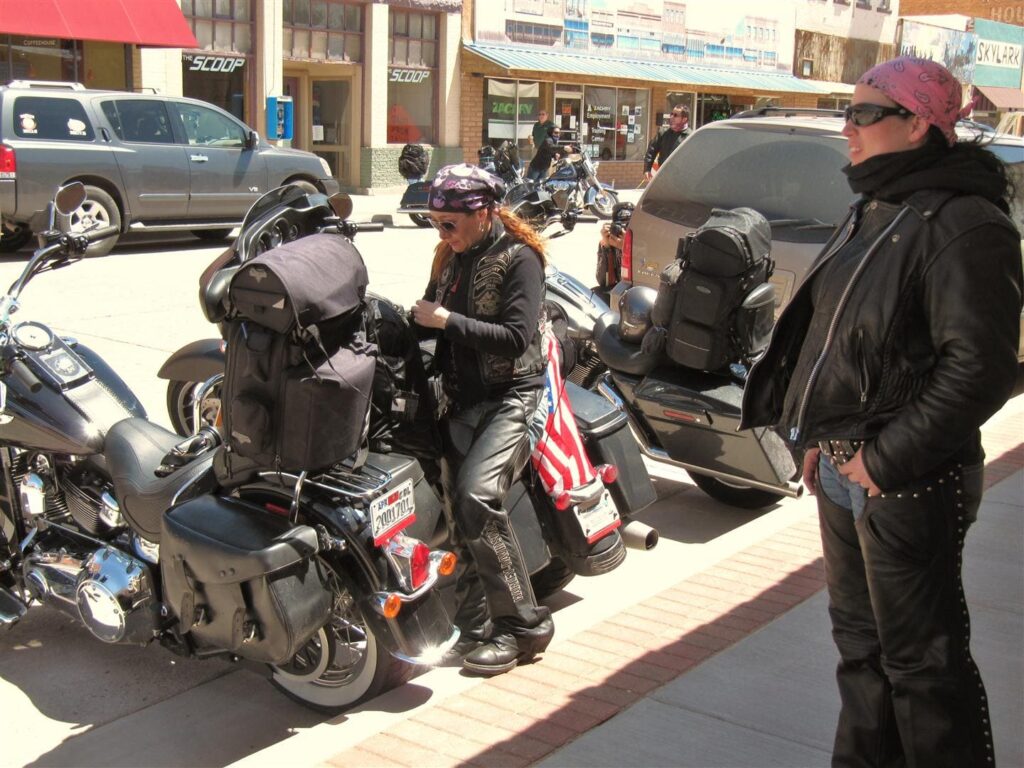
44	118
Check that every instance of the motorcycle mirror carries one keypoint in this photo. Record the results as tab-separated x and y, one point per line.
341	204
69	198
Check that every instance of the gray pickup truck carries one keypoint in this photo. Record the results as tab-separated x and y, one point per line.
149	162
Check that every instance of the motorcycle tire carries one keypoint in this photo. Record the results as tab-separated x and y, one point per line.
603	204
738	496
180	398
420	220
551	578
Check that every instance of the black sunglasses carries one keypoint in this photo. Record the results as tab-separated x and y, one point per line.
863	115
443	226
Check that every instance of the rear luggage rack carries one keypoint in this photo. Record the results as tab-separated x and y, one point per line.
364	483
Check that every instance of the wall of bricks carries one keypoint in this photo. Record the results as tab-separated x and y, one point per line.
378	169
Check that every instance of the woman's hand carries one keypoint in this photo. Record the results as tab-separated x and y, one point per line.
855	470
429	314
810	471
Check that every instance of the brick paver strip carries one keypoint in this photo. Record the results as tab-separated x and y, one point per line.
518	718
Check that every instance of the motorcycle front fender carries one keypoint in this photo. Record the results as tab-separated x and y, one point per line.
196	361
593	192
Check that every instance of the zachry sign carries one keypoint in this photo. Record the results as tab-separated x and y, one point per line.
992	53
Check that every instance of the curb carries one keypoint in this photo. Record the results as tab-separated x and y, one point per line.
518	718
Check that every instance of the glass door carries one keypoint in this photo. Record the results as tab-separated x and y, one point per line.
292	87
568	109
330	115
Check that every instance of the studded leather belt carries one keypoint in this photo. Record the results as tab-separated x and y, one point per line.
840	451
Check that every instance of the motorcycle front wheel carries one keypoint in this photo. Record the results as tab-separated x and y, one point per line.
343	664
181	396
420	219
604	202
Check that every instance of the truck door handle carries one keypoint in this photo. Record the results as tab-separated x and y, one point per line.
198	158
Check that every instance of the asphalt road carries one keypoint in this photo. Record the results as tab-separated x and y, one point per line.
69	699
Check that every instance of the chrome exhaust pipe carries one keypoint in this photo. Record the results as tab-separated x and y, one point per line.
787	488
639	535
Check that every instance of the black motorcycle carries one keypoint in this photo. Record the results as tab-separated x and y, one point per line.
573	185
127	528
690	418
582	537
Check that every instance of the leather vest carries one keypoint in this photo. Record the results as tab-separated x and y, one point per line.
487	280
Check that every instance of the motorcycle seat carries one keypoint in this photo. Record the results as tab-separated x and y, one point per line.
618	354
133	449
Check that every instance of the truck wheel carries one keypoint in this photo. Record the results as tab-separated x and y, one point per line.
12	240
98	210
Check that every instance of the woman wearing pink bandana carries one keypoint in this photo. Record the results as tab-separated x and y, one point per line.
900	342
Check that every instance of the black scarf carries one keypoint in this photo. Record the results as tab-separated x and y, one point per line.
896	175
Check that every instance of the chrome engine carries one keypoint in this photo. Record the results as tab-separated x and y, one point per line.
108	590
88	500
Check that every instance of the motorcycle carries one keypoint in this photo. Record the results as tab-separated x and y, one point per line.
573	532
690	419
573	185
127	528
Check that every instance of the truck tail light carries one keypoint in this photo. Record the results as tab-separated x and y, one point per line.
8	163
627	256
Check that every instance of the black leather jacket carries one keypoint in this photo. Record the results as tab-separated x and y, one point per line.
922	346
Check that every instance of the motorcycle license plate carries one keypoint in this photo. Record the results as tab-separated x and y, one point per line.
598	519
392	512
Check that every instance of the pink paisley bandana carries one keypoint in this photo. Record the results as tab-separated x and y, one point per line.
463	188
924	87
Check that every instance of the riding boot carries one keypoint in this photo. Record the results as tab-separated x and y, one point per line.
510	645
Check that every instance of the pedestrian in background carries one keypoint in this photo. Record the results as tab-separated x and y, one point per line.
540	129
547	151
484	299
899	344
664	143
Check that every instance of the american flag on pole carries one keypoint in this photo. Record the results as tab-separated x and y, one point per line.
559	457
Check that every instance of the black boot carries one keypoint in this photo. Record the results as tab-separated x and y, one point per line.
509	646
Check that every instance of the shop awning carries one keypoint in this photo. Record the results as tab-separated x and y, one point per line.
143	22
560	61
1003	98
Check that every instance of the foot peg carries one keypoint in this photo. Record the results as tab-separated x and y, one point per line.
12	608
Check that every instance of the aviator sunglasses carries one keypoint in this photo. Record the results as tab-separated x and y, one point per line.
863	115
443	226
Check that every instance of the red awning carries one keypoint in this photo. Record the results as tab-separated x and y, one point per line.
143	22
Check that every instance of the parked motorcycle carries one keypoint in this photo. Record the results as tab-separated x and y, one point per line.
690	418
412	165
573	185
126	528
558	543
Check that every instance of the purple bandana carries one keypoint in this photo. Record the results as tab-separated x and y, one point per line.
462	188
924	87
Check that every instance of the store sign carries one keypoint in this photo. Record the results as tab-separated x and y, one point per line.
408	75
214	63
992	53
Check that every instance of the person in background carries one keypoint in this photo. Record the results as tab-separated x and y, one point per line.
546	152
484	299
664	143
899	344
540	129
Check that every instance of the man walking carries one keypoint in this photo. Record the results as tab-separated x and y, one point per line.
664	143
540	129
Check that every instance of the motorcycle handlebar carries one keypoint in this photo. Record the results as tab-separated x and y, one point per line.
587	218
370	226
101	234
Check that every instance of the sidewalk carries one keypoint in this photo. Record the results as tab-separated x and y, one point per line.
732	666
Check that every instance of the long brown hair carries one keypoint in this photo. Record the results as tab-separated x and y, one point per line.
515	228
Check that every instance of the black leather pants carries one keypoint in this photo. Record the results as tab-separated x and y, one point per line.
486	447
911	692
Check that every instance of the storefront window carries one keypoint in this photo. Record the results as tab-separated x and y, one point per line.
614	123
36	58
412	76
219	80
323	30
220	25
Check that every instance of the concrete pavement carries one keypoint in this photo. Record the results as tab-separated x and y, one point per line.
733	665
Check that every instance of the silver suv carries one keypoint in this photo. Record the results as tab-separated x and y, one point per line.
785	164
149	162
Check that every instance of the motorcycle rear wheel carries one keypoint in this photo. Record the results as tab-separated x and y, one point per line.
739	496
180	398
343	664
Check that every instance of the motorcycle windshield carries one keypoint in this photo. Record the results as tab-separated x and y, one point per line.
282	196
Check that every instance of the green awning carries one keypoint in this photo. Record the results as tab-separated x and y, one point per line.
662	71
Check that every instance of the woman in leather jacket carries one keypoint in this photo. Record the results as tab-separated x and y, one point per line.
899	344
485	298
